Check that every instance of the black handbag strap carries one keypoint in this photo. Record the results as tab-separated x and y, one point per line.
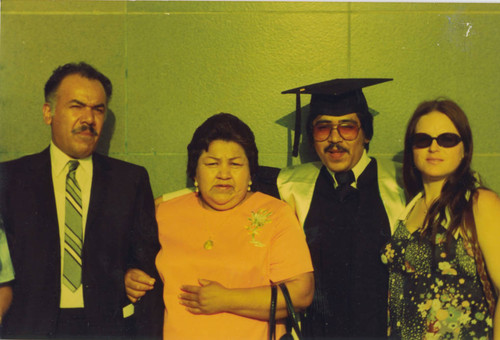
272	312
292	320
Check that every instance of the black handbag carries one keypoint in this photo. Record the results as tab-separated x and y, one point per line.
292	320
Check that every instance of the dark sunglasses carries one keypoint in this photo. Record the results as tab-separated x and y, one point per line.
445	140
322	131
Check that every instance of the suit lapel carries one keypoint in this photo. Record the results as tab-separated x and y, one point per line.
40	171
39	180
101	175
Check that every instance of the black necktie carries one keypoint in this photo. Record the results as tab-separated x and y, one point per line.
344	180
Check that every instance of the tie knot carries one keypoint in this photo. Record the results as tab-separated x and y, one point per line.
344	178
73	165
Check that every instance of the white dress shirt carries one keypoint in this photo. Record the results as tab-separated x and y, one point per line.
59	163
357	169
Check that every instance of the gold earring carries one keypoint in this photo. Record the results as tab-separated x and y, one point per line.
249	186
196	189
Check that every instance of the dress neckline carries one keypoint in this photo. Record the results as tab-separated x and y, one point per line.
228	211
407	211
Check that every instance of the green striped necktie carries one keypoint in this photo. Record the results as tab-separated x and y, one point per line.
73	240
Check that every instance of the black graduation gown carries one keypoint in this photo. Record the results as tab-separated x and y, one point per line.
345	239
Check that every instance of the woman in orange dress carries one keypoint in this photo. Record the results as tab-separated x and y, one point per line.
224	245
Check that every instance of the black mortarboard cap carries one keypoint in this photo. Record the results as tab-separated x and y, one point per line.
335	97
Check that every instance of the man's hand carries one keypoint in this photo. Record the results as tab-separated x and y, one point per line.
207	298
137	283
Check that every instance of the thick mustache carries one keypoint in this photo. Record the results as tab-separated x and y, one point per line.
85	128
337	146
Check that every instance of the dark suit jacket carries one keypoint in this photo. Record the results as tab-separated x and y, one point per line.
121	233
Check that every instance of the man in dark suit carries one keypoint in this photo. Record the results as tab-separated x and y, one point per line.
76	221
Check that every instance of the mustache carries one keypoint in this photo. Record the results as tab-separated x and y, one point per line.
336	146
85	128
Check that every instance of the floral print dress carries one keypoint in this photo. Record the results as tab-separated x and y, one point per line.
434	290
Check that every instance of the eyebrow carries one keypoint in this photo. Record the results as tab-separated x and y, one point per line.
231	159
323	121
76	101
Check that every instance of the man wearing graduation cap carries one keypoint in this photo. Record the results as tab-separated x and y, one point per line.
347	204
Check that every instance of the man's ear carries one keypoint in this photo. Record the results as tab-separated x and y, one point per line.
47	114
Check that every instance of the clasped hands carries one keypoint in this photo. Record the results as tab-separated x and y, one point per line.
209	297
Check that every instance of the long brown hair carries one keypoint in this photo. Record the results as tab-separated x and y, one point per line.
459	190
455	194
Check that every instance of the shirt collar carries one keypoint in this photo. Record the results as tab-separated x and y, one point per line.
361	165
357	169
59	160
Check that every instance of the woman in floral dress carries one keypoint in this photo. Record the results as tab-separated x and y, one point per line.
448	240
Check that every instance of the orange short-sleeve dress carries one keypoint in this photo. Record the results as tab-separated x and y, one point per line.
251	245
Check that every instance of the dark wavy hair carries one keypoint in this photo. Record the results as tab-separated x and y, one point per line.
83	69
226	127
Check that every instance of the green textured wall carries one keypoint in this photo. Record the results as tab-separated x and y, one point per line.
173	64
